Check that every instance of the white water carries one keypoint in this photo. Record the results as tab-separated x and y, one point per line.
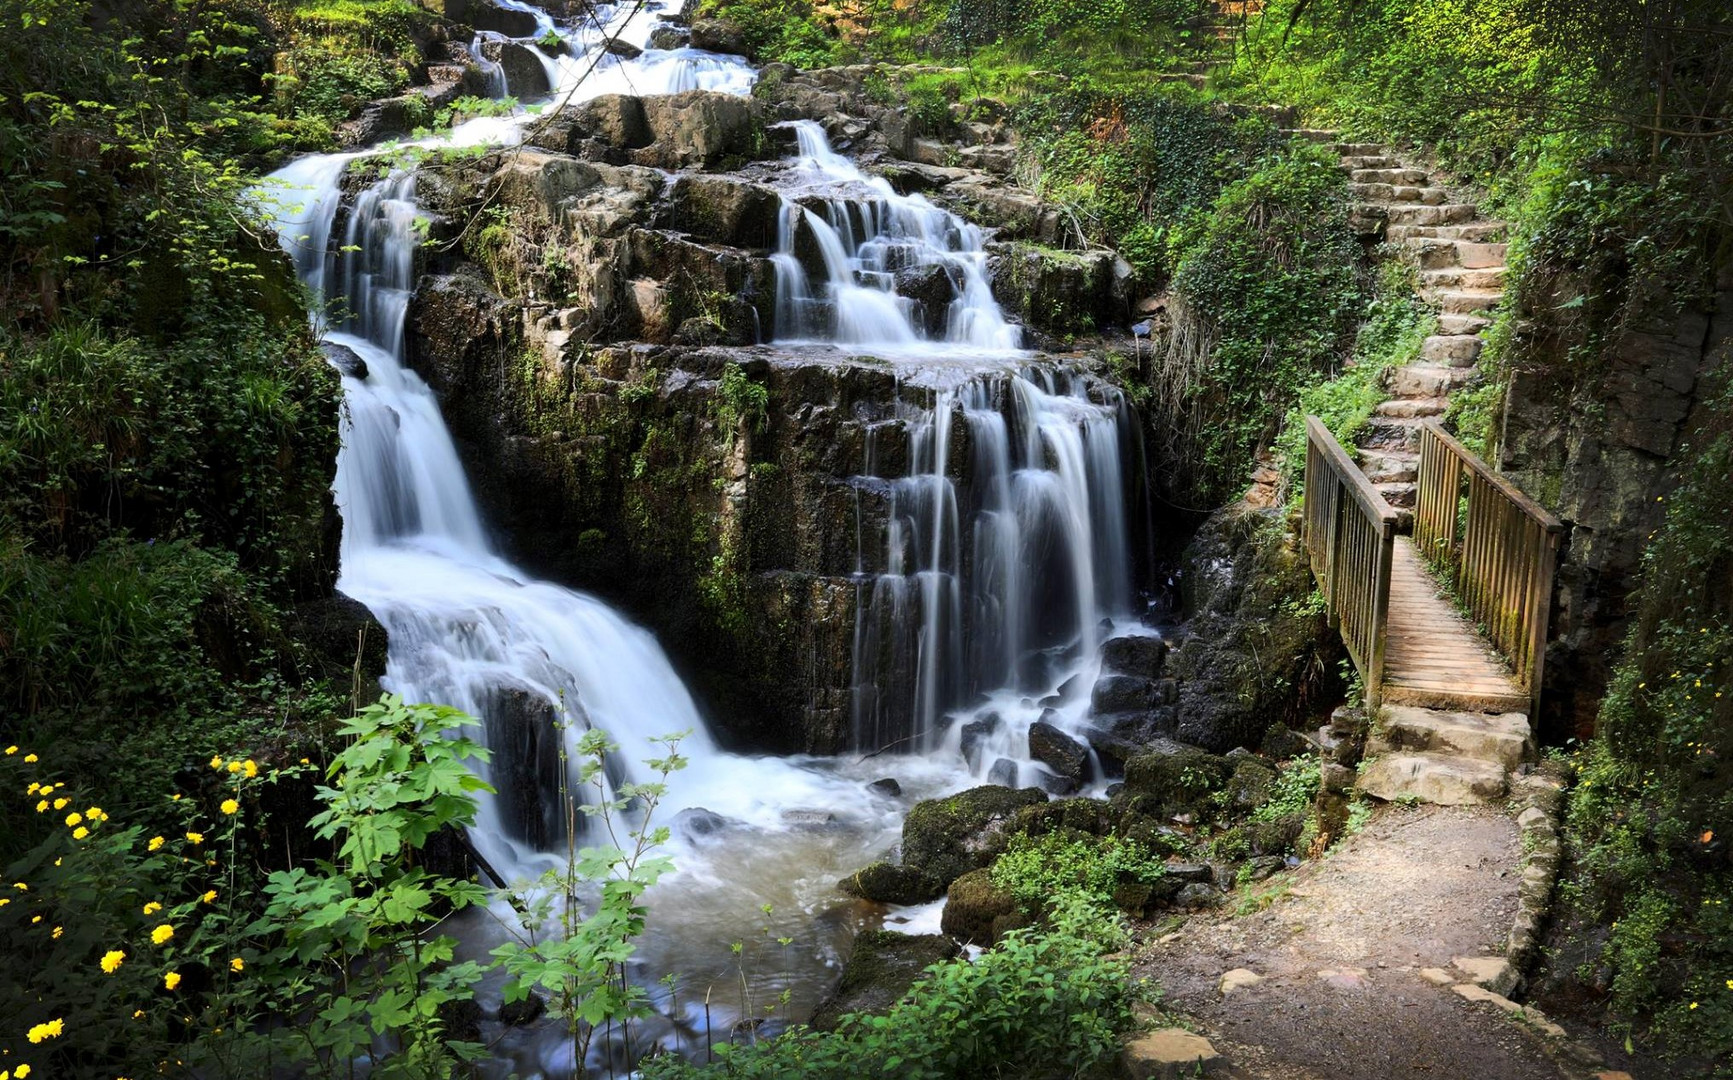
866	235
967	591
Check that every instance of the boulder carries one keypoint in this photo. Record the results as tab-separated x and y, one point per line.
483	15
525	76
1058	751
347	361
1120	737
879	971
1170	1054
976	911
669	38
930	287
1251	783
1197	896
972	738
1122	694
1003	773
887	884
719	36
1178	781
623	49
1142	655
697	823
724	210
527	1011
946	838
698	127
526	768
887	786
615	119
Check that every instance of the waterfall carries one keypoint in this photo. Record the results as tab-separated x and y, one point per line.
898	273
1006	549
493	78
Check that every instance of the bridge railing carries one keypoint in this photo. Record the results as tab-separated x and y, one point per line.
1350	533
1495	545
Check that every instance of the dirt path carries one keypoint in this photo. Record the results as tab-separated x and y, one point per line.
1340	955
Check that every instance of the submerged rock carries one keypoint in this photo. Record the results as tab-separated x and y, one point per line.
886	786
880	969
974	735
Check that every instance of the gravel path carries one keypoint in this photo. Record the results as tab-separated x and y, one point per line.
1341	996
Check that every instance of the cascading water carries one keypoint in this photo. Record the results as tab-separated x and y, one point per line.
1006	549
868	239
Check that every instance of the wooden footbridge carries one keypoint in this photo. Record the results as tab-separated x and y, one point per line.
1494	548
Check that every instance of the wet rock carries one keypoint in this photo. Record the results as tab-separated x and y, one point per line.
887	884
670	37
1178	781
460	1020
946	838
1251	783
346	360
1003	773
526	768
880	970
720	36
524	74
616	119
345	640
1142	655
1197	896
1058	751
698	127
527	1011
1053	783
1119	738
695	823
974	735
809	820
1122	694
886	786
724	210
930	287
488	16
976	911
623	49
1059	292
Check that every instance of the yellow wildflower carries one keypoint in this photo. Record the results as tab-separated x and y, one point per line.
73	818
250	768
34	919
161	934
80	833
237	964
171	980
210	896
137	1014
94	812
10	750
58	930
234	766
22	1071
22	887
60	804
229	806
30	759
152	908
195	837
42	807
111	961
156	843
33	788
216	761
50	1030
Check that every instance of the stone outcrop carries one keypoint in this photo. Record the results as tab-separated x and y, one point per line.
882	967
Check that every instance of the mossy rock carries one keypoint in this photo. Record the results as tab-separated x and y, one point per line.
888	884
946	838
1251	784
974	907
882	967
1178	782
1092	817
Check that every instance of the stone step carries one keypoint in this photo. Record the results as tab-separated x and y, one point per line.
1456	351
1433	778
1373	161
1394	467
1452	323
1396	194
1426	380
1361	149
1499	738
1448	214
1317	135
1478	232
1467	301
1458	277
1399	177
1412	406
1435	254
1391	433
1398	493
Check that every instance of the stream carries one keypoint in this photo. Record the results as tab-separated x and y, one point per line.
994	594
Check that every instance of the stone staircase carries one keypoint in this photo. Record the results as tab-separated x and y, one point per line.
1461	259
1443	757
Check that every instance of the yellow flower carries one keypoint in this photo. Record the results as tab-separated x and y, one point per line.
34	919
30	759
1693	1004
73	818
229	806
57	932
42	807
195	837
80	833
210	896
161	934
4	901
137	1013
22	1071
152	908
60	804
156	843
111	960
94	812
22	887
176	797
33	788
234	766
237	964
50	1030
216	761
171	980
10	750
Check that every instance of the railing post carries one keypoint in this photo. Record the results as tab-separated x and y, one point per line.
1380	617
1333	610
1542	621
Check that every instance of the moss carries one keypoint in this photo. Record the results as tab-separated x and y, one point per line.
946	838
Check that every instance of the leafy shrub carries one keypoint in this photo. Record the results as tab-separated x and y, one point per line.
330	82
1040	1003
1036	869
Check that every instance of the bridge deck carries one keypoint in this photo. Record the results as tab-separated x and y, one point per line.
1434	657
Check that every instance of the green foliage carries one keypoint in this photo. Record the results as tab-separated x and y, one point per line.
1294	792
1046	1002
738	398
1036	869
1653	808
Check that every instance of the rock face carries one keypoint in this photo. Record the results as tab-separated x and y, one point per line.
882	967
1592	444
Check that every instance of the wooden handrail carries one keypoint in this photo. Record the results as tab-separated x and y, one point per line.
1350	543
1496	546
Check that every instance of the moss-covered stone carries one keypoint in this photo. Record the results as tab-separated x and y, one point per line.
975	908
1177	782
886	883
882	967
1250	785
946	838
